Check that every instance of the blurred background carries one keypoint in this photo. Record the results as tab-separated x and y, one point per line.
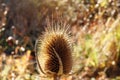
95	32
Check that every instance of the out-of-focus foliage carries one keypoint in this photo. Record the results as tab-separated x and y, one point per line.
95	30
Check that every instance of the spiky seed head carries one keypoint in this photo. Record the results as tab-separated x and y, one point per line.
54	51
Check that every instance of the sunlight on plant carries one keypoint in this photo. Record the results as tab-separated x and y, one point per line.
95	31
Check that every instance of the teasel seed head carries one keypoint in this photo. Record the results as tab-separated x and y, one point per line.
54	51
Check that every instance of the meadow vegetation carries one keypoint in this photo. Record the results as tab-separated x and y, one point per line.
95	33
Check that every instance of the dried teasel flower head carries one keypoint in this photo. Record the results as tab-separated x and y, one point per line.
53	48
